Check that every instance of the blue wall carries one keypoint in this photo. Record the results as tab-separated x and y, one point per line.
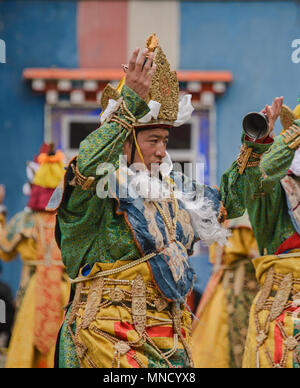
37	34
251	39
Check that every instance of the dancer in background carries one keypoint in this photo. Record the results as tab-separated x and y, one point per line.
7	303
44	287
260	181
219	334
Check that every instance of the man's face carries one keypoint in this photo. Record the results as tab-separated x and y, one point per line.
153	144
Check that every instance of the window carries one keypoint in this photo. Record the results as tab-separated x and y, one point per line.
79	131
76	128
182	145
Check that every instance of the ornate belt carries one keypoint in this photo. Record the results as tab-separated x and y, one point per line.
137	297
279	293
109	272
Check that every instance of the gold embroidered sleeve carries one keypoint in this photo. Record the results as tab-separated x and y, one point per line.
258	168
291	137
105	144
275	163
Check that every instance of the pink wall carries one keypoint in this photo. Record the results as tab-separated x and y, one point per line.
102	33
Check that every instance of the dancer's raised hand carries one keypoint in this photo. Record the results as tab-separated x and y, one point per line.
140	72
273	112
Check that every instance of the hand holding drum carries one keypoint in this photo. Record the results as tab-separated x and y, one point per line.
259	125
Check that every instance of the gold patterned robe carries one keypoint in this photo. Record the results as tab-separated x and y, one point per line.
43	291
219	334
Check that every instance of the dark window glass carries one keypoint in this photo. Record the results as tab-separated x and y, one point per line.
180	138
79	131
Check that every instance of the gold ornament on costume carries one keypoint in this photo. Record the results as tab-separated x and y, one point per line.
152	42
164	88
108	93
290	130
287	117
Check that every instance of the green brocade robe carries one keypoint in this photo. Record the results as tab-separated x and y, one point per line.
101	235
259	191
90	229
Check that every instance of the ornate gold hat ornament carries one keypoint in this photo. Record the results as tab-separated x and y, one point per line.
163	100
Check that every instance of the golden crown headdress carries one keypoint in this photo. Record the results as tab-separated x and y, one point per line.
164	86
163	99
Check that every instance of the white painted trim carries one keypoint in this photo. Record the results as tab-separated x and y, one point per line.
48	123
191	154
77	97
38	84
52	97
64	85
213	145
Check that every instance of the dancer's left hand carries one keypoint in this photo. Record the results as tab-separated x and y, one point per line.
2	193
273	112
